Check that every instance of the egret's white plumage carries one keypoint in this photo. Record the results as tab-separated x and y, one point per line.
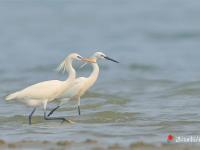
82	84
47	91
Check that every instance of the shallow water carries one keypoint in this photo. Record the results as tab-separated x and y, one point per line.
153	92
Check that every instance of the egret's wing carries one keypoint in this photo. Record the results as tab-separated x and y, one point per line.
42	90
79	80
74	88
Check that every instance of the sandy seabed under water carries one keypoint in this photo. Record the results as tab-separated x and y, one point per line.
90	145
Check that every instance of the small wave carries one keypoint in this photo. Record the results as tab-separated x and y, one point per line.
142	67
109	117
187	89
19	119
174	35
110	98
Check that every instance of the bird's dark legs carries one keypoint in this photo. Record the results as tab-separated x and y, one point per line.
30	116
52	111
55	118
79	110
46	117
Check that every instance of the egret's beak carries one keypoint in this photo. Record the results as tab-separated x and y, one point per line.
108	58
89	60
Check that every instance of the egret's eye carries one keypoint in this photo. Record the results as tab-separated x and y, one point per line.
79	57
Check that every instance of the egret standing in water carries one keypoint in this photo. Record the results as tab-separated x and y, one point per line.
41	93
82	84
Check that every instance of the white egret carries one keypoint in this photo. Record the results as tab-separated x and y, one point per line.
41	93
82	84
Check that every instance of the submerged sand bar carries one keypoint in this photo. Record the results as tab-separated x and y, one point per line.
90	145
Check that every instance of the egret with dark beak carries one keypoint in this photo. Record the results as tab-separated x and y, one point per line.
82	84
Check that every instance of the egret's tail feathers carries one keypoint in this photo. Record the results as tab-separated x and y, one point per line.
62	67
11	96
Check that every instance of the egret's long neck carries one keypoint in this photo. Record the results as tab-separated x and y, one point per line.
71	77
70	70
95	73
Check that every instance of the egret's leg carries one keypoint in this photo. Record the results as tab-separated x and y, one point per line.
31	114
46	117
79	110
52	111
61	103
55	118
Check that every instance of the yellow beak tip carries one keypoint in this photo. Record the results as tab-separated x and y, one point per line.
89	60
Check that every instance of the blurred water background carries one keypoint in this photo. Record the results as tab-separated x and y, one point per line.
153	92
